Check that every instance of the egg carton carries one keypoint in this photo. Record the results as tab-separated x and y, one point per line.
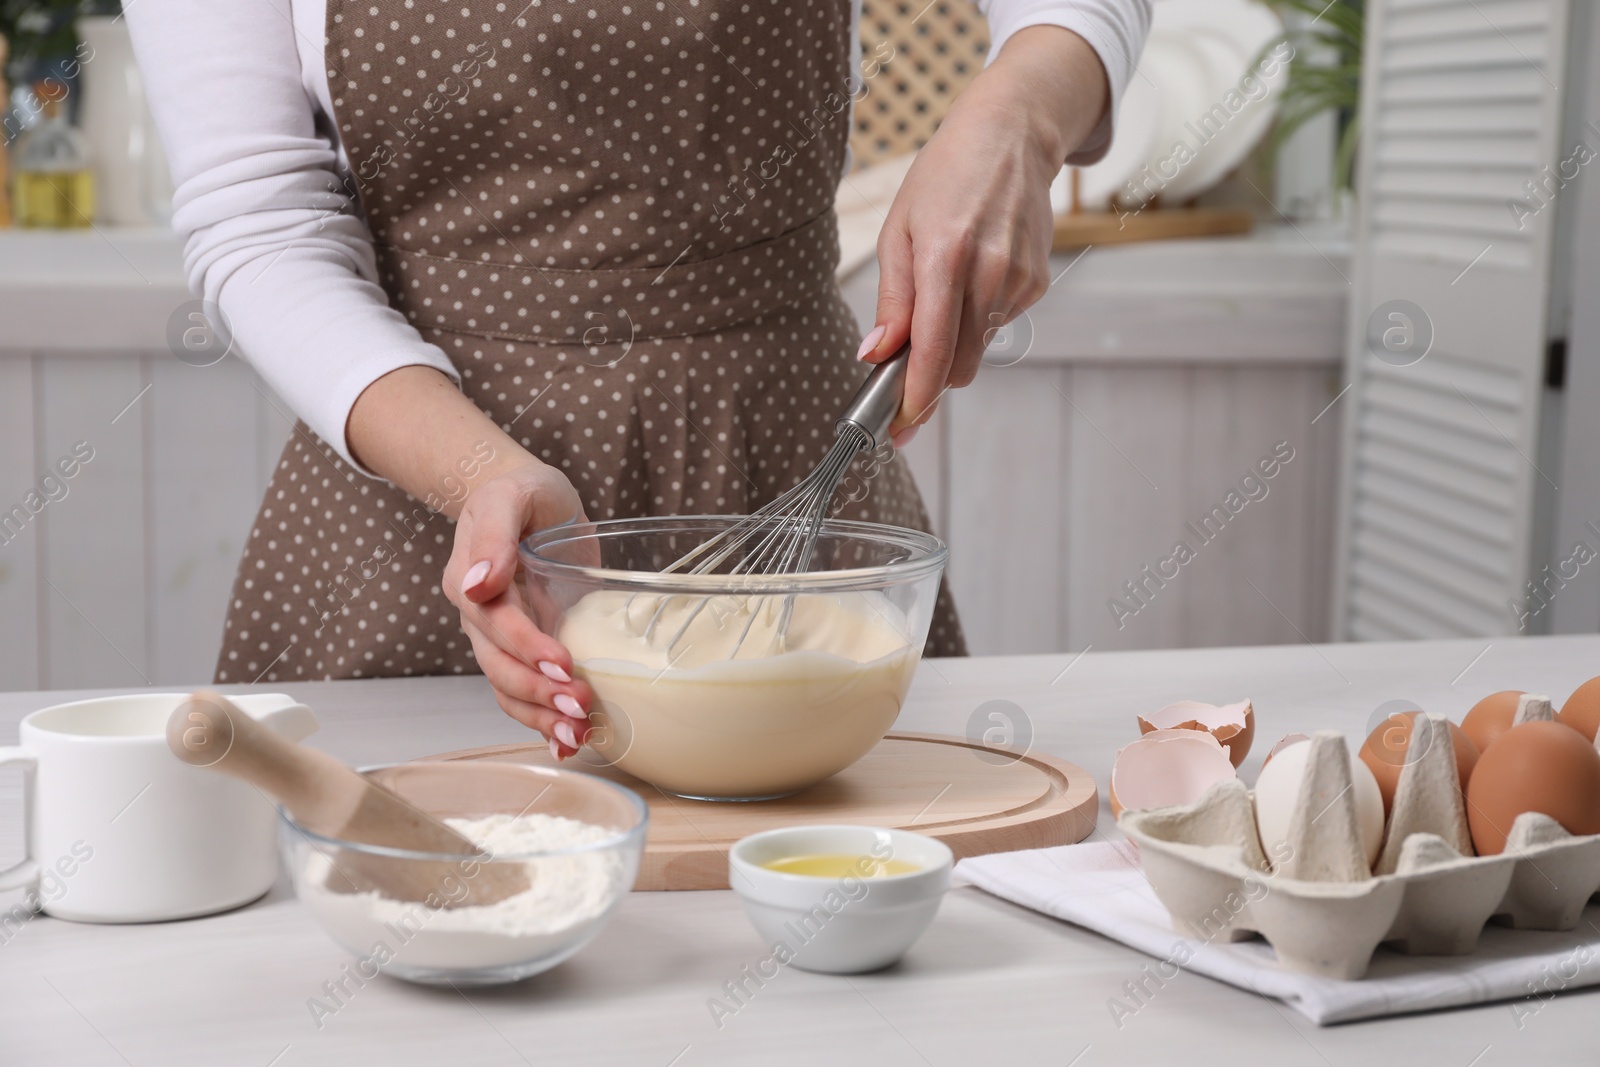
1320	906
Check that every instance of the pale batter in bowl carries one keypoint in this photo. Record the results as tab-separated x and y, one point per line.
744	704
733	708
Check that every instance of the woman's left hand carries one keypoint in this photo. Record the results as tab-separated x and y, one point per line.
532	674
965	248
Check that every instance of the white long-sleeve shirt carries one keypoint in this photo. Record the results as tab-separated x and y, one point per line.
240	98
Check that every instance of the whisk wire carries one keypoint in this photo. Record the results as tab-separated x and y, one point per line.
786	530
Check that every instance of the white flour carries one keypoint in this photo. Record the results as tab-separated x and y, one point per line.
566	898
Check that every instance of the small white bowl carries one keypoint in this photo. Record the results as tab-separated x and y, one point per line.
839	925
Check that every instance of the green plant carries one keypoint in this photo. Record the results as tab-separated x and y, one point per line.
1326	74
43	29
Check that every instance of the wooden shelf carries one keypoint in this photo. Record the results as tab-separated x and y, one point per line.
1153	224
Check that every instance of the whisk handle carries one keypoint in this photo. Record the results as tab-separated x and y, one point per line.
878	402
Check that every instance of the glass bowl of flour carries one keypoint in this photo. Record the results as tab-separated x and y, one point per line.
578	837
723	686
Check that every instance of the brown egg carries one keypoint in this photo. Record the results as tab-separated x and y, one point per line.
1388	746
1582	709
1491	717
1538	766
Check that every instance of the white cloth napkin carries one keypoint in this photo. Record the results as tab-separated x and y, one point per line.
1101	887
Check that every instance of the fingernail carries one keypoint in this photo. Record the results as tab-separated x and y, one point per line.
905	437
568	706
474	577
555	749
553	671
871	341
564	732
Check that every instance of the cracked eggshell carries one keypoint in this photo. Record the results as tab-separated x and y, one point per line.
1233	725
1167	768
1491	717
1278	789
1542	767
1387	750
1582	709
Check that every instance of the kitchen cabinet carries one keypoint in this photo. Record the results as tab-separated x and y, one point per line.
1154	378
122	576
1148	385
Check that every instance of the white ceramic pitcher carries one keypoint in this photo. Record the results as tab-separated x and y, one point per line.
120	830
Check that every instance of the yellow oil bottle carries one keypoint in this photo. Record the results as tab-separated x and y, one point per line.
52	185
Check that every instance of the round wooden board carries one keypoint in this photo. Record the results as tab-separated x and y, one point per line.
975	799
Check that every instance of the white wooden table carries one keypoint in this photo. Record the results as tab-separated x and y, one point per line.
988	984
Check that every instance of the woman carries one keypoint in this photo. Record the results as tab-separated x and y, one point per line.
514	268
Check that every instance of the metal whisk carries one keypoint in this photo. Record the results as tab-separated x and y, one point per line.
781	537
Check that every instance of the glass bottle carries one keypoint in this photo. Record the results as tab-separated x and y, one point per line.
5	132
53	186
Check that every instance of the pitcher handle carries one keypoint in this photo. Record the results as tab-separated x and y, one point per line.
25	873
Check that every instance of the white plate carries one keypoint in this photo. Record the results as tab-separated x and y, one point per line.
1179	75
1134	139
1224	37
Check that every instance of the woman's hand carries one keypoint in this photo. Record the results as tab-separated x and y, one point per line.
530	670
498	494
965	248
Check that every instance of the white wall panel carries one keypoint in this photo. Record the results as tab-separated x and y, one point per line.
1007	453
19	572
204	488
926	457
1060	510
1126	498
1248	583
96	621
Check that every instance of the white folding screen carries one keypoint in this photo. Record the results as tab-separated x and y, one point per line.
1461	106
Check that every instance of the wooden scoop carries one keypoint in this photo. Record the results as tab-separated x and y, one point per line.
332	800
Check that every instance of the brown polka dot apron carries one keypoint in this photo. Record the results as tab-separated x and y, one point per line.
616	218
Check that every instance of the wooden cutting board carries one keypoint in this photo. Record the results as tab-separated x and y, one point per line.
975	799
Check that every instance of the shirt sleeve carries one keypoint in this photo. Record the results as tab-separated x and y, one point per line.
272	231
1115	29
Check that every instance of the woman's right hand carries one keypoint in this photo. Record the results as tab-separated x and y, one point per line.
531	671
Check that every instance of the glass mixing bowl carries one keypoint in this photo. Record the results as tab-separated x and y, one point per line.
574	883
724	686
